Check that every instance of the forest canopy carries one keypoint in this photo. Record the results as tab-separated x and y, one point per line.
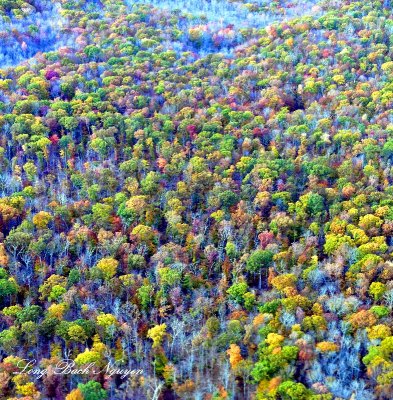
198	190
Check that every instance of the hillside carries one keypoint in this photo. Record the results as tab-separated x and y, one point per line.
198	190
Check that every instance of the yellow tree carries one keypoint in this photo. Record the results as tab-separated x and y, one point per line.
156	334
108	267
42	219
76	394
234	355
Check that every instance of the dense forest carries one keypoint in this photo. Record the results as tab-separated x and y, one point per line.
198	191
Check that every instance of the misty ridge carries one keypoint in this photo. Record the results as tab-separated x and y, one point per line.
220	23
37	26
255	14
40	29
40	26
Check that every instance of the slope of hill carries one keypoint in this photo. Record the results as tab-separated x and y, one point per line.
202	194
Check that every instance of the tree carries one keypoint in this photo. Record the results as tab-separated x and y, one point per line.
377	290
54	280
237	291
92	390
8	287
387	149
107	267
75	394
145	296
108	322
234	355
56	292
29	313
156	334
17	242
88	357
77	333
228	198
144	234
258	261
169	276
31	170
92	52
290	390
284	281
9	339
149	184
102	214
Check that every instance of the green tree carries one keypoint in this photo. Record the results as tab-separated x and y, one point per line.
258	261
92	52
8	287
290	390
92	390
102	214
237	291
